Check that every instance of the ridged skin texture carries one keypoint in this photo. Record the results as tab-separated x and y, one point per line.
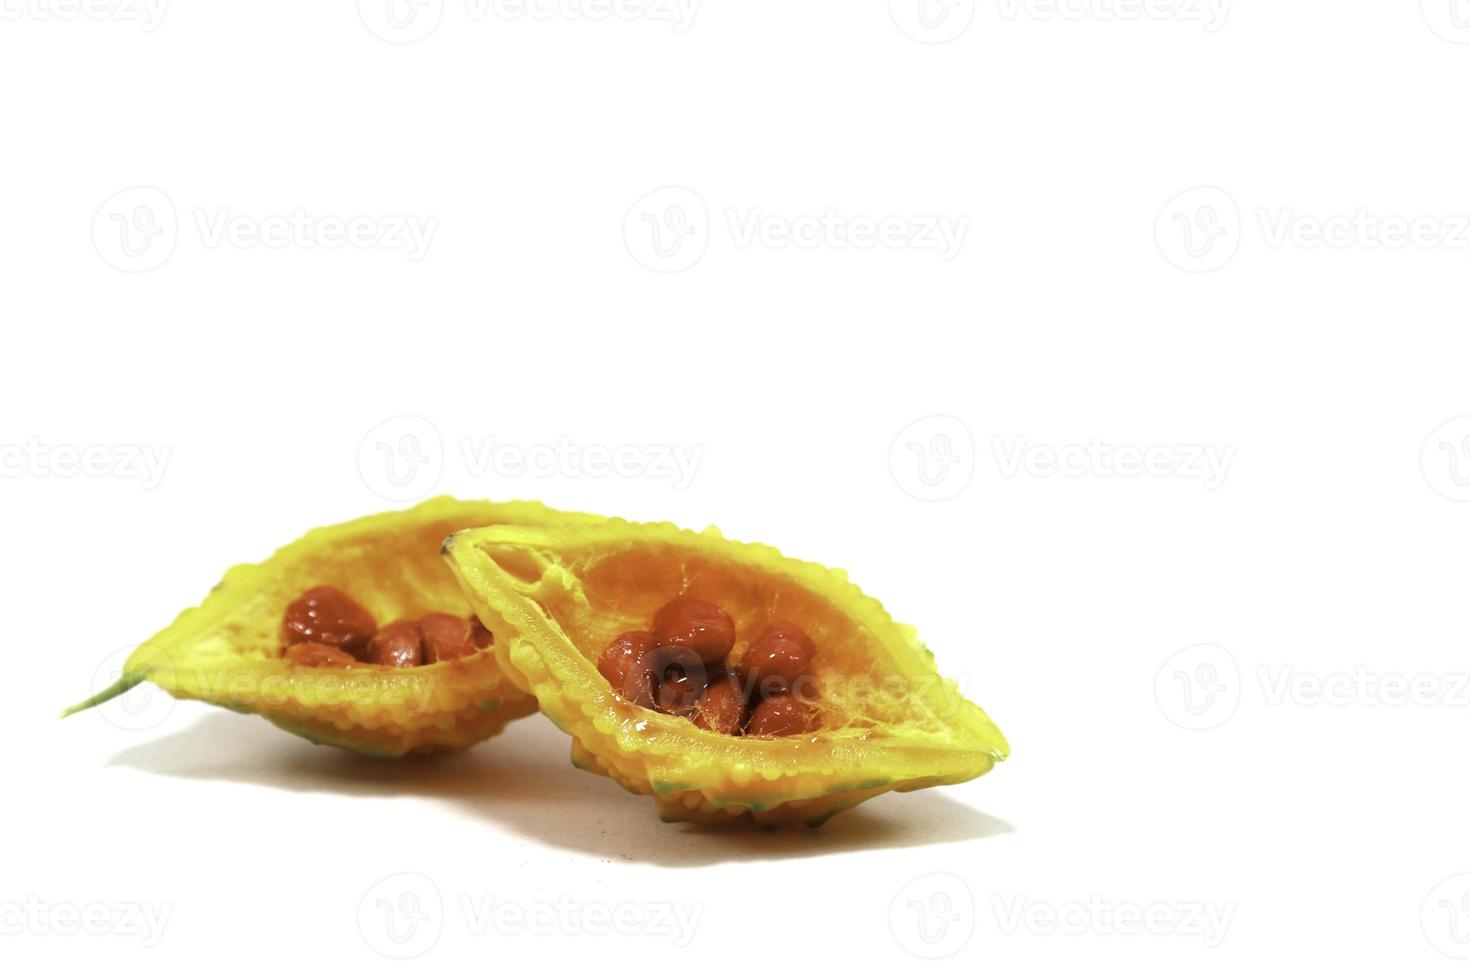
556	596
226	650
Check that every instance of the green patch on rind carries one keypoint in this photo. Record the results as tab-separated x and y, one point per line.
661	787
316	738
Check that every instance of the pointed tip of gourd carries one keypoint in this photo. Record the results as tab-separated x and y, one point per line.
125	683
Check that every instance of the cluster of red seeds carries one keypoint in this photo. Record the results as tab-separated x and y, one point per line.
682	666
324	627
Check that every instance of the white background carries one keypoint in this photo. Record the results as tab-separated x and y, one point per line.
1201	668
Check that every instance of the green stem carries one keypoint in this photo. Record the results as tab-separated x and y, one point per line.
125	683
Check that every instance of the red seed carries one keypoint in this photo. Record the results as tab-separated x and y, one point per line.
778	657
446	637
397	645
666	679
482	637
621	654
783	715
681	677
640	680
722	708
701	626
327	615
317	655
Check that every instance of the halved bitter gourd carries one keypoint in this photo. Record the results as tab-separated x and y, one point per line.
229	649
556	597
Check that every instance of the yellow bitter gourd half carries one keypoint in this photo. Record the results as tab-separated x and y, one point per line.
555	597
227	650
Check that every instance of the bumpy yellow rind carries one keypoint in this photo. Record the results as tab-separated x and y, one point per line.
226	651
556	596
